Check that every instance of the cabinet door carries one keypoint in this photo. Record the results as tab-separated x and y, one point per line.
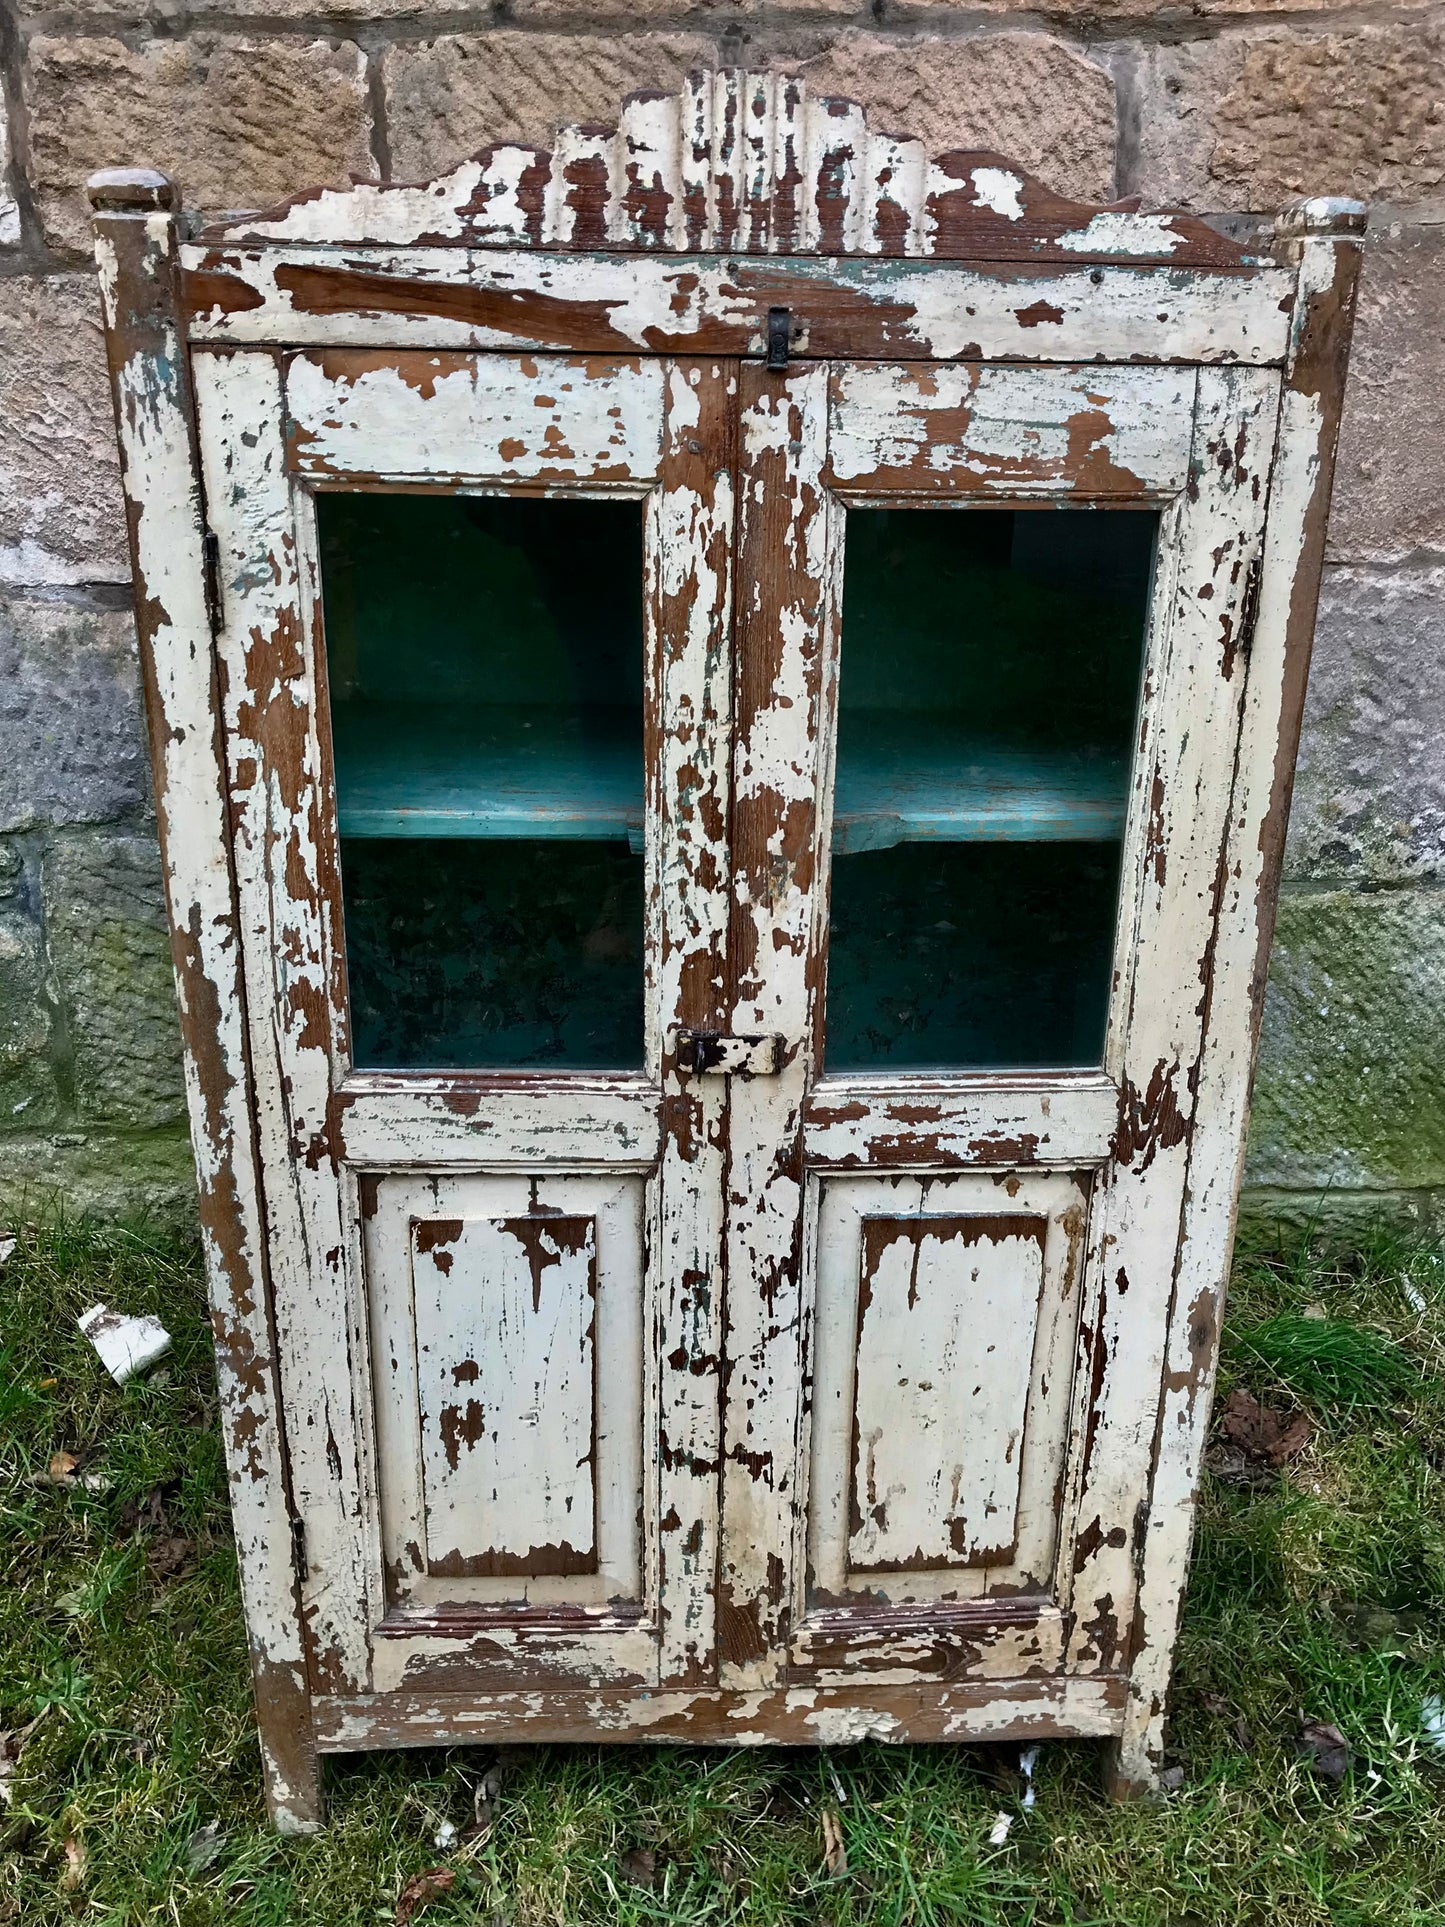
989	695
476	682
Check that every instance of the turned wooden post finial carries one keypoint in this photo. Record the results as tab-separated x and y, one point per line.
129	190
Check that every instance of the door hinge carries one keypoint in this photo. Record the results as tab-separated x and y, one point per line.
700	1051
211	561
298	1548
779	332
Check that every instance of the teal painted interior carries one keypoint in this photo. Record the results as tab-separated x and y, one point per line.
989	683
484	660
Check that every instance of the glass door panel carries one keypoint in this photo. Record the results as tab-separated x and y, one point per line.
485	668
989	680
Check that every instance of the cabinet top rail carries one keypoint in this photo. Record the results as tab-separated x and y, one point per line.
738	163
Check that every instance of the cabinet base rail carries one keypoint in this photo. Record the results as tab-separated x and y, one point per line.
975	1710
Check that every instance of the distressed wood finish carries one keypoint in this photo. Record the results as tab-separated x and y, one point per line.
1323	238
941	1605
1019	1709
443	419
1195	669
284	859
749	163
720	1399
693	517
375	298
947	1311
950	432
852	1124
785	533
136	248
506	1316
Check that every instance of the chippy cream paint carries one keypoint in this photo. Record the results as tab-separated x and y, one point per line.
606	1406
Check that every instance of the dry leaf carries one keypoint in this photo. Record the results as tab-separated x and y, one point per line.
62	1468
12	1745
1324	1749
486	1802
204	1847
421	1890
835	1852
169	1556
1261	1433
74	1865
638	1866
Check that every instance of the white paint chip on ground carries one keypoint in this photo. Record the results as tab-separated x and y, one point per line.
998	1833
125	1345
7	1249
1432	1720
1028	1760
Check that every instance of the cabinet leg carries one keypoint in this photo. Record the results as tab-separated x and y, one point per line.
290	1764
1131	1767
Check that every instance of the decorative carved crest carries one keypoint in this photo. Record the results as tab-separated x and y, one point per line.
739	163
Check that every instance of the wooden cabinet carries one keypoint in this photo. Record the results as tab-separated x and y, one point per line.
723	702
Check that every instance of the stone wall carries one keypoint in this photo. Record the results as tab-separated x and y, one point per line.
1221	105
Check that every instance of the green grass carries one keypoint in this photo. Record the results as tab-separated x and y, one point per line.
1321	1593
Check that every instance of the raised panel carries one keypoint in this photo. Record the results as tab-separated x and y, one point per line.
947	1315
512	1393
445	417
506	1369
968	430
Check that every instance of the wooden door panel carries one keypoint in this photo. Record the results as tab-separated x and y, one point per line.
506	1394
946	1316
507	1319
960	429
445	417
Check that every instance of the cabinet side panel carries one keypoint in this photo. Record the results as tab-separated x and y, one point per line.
280	804
136	254
1303	469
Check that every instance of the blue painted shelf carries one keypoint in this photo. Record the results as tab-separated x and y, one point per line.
904	779
412	772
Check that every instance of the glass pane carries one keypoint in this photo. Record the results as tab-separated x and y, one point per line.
989	683
484	656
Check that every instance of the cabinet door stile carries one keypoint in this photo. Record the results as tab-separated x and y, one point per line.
692	530
286	892
786	532
1193	720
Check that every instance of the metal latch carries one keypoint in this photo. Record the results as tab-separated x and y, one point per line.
779	333
700	1051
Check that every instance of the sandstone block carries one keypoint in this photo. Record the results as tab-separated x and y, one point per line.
1025	93
108	1173
61	514
1348	1092
28	1092
105	927
1369	800
1256	119
239	122
72	738
1390	471
446	98
1028	95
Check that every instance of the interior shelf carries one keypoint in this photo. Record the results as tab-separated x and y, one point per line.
907	779
414	772
521	774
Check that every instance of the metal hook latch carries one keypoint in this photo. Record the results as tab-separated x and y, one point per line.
779	330
700	1051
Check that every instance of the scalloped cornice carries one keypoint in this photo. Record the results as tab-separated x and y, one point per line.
739	163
